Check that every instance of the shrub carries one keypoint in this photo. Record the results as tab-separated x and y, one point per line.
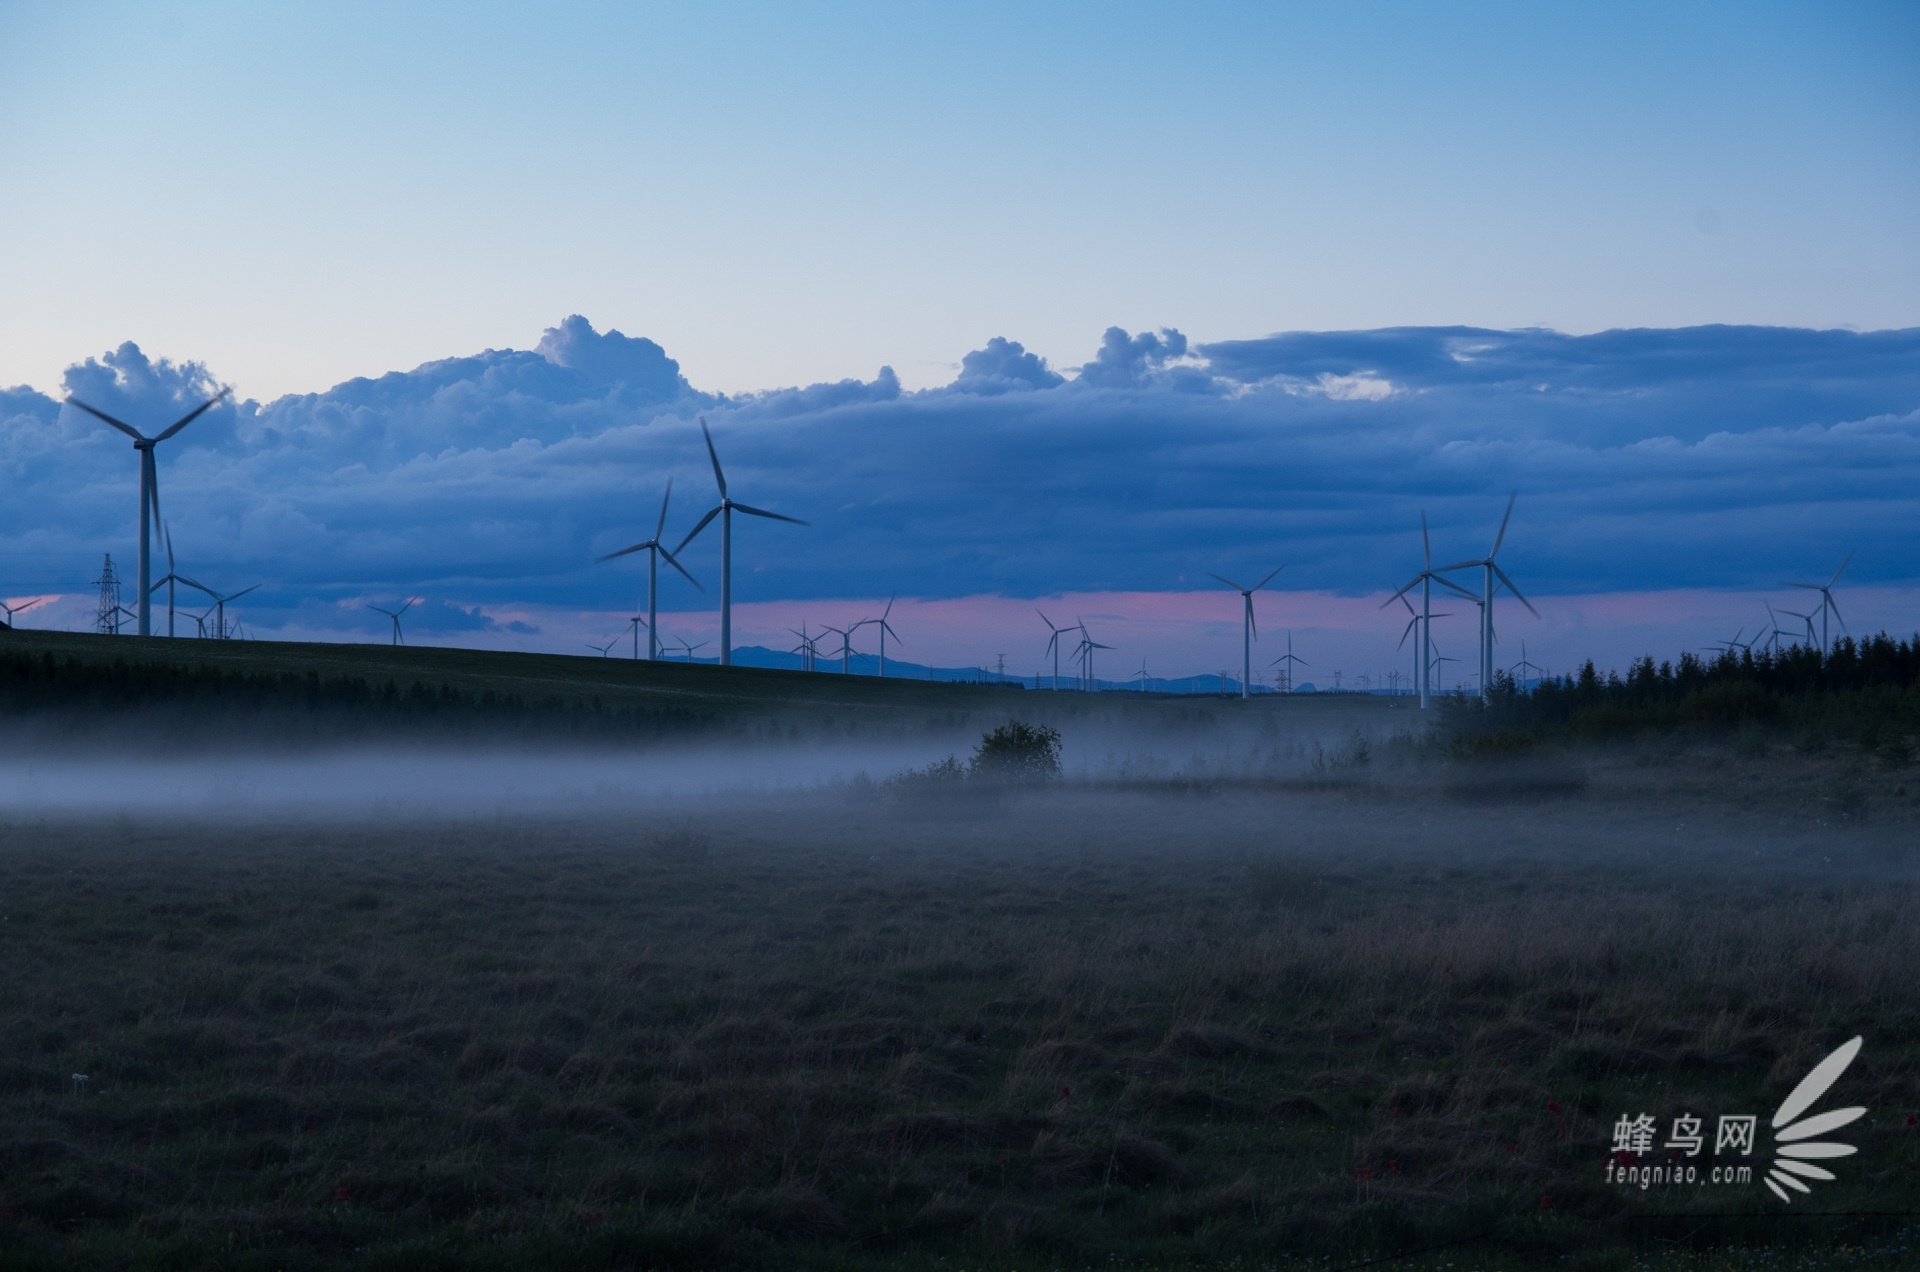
1018	752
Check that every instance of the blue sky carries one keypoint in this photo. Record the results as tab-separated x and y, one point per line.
988	295
787	194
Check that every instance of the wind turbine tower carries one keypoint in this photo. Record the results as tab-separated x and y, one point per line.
725	510
654	550
1247	629
149	489
1827	602
1489	572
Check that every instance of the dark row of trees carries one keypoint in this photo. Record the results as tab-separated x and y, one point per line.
1865	691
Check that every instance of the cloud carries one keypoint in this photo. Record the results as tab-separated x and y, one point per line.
1699	457
1004	366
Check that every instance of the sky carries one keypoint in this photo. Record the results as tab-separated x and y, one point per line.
1080	303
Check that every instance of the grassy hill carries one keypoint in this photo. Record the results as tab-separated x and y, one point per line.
68	680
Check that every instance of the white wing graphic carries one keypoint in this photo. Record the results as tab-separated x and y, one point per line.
1791	1154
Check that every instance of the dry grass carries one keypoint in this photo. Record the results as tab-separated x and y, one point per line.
1046	1030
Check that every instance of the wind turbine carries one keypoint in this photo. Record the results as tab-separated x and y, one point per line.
1247	629
606	650
634	623
220	607
654	550
690	648
1523	666
395	616
1826	599
149	486
1143	675
1490	571
1425	580
885	630
21	609
846	646
724	510
1087	645
807	650
173	577
1286	661
1805	618
1053	646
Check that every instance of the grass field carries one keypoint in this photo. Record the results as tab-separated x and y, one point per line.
1346	1007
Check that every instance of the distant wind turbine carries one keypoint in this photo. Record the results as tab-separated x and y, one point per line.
725	510
606	650
221	631
691	648
1087	645
1826	600
846	646
1053	646
395	616
149	487
885	631
1489	572
1286	661
1425	581
654	550
12	609
1247	629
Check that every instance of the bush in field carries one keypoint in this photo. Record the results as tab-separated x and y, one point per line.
1018	752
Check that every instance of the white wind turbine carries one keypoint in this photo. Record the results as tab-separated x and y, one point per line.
1425	580
654	550
1087	645
885	630
846	646
1247	628
1826	600
1489	572
1286	663
1053	646
149	488
13	609
221	631
395	616
725	510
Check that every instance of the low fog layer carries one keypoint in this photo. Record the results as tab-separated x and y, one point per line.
438	782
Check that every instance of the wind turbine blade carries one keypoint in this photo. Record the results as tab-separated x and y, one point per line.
1403	591
1426	540
128	429
191	416
1843	568
675	563
153	484
719	478
382	610
1229	582
885	627
1500	538
403	608
698	527
1402	597
1812	587
237	595
1047	621
1461	565
1449	583
1836	613
762	512
1406	632
201	587
167	534
623	552
1263	582
1501	574
889	610
1253	624
662	523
